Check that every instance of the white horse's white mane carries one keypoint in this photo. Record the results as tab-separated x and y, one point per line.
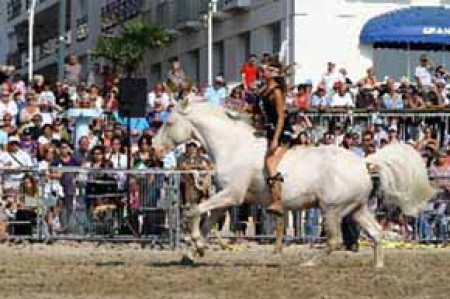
207	109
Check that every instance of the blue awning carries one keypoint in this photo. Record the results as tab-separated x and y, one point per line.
430	25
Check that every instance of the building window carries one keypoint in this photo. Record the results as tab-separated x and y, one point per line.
118	11
276	37
219	58
14	9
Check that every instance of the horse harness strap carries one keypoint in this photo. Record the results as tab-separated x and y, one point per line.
275	178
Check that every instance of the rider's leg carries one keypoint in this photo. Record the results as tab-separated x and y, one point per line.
274	181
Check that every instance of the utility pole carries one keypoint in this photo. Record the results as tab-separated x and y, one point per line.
30	40
212	7
62	39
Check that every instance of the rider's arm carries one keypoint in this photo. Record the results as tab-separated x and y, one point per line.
279	106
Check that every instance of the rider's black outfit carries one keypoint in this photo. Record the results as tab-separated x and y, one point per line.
271	118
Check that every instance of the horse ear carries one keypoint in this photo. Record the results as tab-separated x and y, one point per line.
184	106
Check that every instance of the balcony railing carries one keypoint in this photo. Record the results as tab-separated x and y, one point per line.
17	8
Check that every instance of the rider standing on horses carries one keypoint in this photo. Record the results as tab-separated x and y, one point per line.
278	129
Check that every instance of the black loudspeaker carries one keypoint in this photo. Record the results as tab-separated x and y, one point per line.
132	97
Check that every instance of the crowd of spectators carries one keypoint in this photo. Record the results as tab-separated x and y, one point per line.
36	131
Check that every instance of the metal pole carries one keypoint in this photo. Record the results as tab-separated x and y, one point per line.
62	39
30	40
211	10
408	70
288	31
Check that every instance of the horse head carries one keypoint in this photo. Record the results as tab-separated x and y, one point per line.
177	129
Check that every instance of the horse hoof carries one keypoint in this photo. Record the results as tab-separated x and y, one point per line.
201	251
187	260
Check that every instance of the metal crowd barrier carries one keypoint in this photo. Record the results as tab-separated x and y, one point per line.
147	206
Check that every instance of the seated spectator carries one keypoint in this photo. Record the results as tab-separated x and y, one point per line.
367	143
145	156
302	140
47	96
117	154
19	87
427	140
46	138
393	135
349	144
342	98
236	101
8	105
370	80
328	139
36	126
106	137
47	112
442	93
15	157
31	109
28	144
81	154
392	100
38	83
366	98
62	98
158	102
413	100
217	93
442	73
441	170
319	98
7	126
49	157
95	97
112	101
302	100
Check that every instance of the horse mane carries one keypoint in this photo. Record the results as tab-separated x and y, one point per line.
233	116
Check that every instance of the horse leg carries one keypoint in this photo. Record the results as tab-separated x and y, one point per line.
221	200
279	234
333	230
212	219
367	221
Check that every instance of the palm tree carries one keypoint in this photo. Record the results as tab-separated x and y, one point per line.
128	50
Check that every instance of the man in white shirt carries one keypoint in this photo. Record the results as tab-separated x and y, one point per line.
331	77
158	99
342	98
14	158
424	76
7	104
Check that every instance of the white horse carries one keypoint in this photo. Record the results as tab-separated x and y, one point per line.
331	177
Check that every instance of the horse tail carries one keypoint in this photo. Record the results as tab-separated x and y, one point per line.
403	176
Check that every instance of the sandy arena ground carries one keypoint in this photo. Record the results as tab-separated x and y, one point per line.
87	271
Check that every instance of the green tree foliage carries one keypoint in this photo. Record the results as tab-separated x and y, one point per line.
128	49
